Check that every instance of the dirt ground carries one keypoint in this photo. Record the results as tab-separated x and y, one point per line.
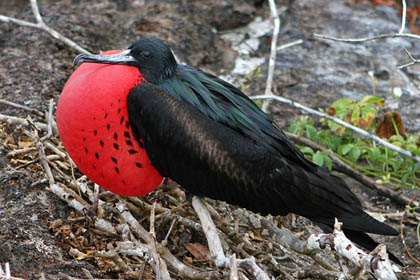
41	235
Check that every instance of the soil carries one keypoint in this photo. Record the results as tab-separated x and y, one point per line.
36	67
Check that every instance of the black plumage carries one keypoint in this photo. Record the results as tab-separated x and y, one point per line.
208	136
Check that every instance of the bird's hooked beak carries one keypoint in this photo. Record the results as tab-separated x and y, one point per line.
123	57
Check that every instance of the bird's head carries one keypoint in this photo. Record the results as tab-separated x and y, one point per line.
151	55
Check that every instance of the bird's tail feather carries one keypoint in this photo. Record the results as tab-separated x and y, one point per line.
367	223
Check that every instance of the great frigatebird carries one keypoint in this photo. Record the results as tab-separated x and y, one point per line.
201	132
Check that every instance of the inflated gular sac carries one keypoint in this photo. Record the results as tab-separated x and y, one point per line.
93	124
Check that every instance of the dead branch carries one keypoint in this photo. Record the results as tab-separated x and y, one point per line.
343	123
54	149
273	51
115	257
233	266
289	240
215	245
250	265
382	36
210	231
245	249
402	232
158	263
50	121
288	45
185	271
105	226
6	273
360	40
18	106
21	121
165	240
400	34
64	195
403	17
43	158
377	262
21	151
413	60
42	26
161	268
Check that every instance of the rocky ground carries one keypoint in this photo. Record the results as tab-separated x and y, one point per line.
41	235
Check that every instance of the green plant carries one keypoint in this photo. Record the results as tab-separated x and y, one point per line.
385	164
359	113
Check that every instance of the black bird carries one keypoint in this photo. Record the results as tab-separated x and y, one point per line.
208	136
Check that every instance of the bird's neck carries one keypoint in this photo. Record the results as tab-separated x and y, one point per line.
158	77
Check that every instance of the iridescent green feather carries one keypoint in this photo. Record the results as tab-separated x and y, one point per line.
222	102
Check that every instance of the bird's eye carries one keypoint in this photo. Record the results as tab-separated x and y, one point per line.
146	54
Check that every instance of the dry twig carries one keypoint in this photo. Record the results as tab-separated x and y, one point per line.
50	121
382	36
42	26
413	60
157	262
251	266
161	268
233	265
400	34
273	51
210	231
9	103
215	244
377	262
343	123
360	40
6	273
402	231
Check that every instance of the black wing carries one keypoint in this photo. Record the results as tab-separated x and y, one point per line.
228	105
211	159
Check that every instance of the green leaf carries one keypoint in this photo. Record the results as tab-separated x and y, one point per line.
310	132
342	102
355	153
318	158
334	126
411	147
395	164
345	149
328	162
333	143
404	178
373	99
294	127
376	155
397	143
397	138
368	113
355	115
307	150
411	139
